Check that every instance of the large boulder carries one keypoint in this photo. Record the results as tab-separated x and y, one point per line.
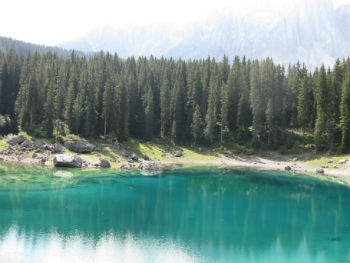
125	166
249	152
177	154
319	171
104	163
79	146
27	144
287	168
16	140
134	157
57	148
67	160
47	147
151	166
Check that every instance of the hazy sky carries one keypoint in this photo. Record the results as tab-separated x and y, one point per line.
50	22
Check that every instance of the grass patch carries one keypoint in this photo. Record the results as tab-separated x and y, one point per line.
3	144
322	160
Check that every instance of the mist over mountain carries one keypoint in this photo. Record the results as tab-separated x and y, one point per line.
310	31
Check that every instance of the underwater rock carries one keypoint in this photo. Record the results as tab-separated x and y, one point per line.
63	174
151	166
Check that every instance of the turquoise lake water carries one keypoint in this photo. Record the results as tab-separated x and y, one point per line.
185	215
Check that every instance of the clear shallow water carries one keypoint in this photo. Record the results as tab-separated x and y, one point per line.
196	215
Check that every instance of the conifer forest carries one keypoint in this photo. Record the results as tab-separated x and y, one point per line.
249	102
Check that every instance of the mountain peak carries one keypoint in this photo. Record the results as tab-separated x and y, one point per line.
310	31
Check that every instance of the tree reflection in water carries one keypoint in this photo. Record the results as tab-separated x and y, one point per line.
189	215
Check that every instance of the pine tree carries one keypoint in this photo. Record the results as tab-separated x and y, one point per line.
122	109
322	106
243	116
197	124
345	111
211	116
109	114
243	108
149	113
305	102
165	105
49	111
177	104
224	112
257	101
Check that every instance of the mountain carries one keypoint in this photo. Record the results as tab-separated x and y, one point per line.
23	48
311	31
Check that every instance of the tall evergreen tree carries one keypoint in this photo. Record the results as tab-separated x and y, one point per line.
345	111
197	124
322	106
305	102
109	113
149	113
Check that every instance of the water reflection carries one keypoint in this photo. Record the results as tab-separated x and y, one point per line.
202	217
54	248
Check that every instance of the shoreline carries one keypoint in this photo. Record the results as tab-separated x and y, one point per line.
256	162
156	155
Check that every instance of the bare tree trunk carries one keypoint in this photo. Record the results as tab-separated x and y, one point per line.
105	127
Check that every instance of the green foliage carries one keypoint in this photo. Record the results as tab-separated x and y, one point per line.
248	103
322	102
197	124
345	111
7	125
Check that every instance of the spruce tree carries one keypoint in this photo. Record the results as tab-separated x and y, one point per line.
197	124
305	102
149	113
322	106
211	116
109	113
345	112
49	111
165	105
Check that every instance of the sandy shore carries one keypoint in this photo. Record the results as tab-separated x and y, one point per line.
261	163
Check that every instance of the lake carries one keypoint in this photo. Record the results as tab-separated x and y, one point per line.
183	215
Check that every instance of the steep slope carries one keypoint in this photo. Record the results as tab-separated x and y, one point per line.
23	48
